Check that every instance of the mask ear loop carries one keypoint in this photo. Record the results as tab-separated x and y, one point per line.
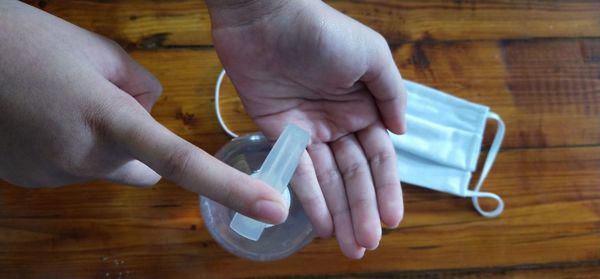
218	109
487	166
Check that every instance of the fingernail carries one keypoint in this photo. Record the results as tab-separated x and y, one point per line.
270	211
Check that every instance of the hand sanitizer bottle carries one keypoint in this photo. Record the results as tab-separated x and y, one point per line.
274	165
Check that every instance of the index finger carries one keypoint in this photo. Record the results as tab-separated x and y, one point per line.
143	138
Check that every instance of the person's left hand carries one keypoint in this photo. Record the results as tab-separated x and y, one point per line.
306	63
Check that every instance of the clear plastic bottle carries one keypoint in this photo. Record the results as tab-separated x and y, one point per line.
247	153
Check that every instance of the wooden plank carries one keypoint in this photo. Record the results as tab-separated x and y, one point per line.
507	76
547	90
552	216
150	24
556	270
400	21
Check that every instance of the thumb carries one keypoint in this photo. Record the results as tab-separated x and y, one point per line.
192	168
385	83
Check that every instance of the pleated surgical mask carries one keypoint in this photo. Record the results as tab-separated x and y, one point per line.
442	144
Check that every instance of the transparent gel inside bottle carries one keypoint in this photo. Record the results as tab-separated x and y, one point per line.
247	154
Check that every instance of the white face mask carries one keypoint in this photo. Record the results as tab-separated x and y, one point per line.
442	144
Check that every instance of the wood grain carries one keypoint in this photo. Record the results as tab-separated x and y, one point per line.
152	24
536	63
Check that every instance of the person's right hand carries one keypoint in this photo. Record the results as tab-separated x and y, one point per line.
74	107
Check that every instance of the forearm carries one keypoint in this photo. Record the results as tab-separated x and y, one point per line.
231	13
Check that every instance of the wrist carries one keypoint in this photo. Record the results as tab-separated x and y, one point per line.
235	13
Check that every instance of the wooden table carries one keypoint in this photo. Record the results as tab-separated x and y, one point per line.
536	63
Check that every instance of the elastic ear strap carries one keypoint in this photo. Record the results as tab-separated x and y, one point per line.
218	109
489	214
487	166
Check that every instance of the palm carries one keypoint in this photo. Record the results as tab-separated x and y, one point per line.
325	118
321	71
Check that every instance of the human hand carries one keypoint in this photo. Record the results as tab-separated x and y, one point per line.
75	107
306	63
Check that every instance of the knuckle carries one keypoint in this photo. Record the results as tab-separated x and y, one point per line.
329	178
380	158
95	118
340	213
103	118
354	170
361	203
71	161
304	169
153	87
381	49
156	87
381	42
384	185
71	166
100	116
311	201
176	165
381	39
111	43
229	195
